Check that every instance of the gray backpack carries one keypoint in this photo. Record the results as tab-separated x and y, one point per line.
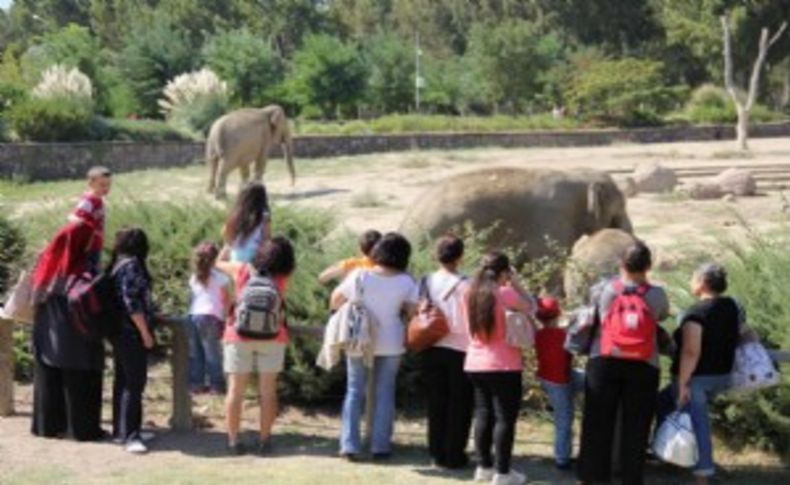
260	309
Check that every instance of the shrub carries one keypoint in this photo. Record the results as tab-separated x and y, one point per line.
58	81
192	101
136	130
391	81
712	104
12	248
53	119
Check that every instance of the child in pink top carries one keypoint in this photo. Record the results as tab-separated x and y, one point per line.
494	366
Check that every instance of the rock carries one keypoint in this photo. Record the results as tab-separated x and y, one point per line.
705	191
628	187
737	181
729	198
654	178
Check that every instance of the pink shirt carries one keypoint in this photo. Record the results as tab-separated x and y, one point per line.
230	335
494	354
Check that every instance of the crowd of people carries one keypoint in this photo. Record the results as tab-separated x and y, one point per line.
473	374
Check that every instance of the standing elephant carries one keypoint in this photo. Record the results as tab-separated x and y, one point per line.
526	207
242	137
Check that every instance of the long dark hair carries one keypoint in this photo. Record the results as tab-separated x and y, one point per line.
131	243
481	302
203	259
248	212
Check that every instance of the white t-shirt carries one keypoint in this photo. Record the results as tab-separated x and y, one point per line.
447	293
384	297
207	299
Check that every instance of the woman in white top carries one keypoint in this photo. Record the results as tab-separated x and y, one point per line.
387	290
450	394
209	305
248	225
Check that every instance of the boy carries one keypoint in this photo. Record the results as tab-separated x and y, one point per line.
339	270
557	378
90	211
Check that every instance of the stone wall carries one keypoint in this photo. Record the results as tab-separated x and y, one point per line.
51	161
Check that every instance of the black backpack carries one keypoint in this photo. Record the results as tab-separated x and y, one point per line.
95	308
260	309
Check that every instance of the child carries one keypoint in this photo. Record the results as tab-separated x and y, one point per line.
339	270
557	377
209	306
90	211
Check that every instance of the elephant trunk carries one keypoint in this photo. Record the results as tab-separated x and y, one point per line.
288	150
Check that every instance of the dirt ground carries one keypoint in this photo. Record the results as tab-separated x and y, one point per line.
375	191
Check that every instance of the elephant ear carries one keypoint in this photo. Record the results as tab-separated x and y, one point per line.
276	118
595	200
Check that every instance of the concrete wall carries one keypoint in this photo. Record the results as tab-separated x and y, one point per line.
52	161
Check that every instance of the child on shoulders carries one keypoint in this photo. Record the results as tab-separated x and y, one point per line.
341	269
90	211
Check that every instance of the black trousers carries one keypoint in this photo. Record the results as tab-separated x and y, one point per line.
611	384
131	374
450	399
497	400
66	403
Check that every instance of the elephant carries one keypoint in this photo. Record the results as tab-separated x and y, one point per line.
594	257
244	136
525	208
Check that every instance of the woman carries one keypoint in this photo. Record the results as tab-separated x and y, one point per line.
67	386
449	389
706	340
135	338
388	292
494	366
619	379
243	356
248	224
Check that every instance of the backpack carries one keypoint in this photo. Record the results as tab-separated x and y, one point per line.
629	329
260	310
95	308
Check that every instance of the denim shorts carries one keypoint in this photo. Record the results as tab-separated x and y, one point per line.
253	356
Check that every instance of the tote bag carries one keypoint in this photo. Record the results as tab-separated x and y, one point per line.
675	441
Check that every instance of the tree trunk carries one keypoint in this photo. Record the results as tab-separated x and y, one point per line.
742	129
6	368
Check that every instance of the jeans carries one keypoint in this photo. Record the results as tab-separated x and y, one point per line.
561	397
131	374
497	400
205	353
385	371
449	392
612	384
703	389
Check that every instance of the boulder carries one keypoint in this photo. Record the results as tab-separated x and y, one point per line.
706	191
655	178
736	181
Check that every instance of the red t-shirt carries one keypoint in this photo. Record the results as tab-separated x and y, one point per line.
554	362
90	209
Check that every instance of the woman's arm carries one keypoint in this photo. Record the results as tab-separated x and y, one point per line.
689	356
139	322
524	304
333	272
337	300
231	268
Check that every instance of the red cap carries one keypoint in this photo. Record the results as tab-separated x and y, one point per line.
548	309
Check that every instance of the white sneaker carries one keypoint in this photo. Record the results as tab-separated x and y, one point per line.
484	474
512	478
136	447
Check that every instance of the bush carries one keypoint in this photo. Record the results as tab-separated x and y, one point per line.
58	81
712	104
55	119
194	100
391	80
12	248
107	129
759	273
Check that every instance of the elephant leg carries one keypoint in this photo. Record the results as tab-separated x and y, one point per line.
260	167
244	172
220	191
213	163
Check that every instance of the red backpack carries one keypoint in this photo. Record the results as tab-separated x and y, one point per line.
629	329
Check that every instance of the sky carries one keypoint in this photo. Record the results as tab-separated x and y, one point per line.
5	3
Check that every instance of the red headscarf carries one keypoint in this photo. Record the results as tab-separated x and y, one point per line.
66	255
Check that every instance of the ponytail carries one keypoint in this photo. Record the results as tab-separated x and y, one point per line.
204	258
481	302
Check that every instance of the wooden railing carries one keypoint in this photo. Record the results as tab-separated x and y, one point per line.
181	413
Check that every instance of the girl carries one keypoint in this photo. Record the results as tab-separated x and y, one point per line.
494	366
248	224
209	306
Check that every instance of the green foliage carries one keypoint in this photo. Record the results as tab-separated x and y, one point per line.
53	119
627	91
247	62
197	116
155	51
12	248
391	81
712	104
327	75
136	130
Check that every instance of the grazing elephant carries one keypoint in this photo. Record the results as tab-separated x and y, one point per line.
242	137
594	257
525	206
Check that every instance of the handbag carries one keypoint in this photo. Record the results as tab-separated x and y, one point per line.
19	307
675	441
519	330
753	368
429	325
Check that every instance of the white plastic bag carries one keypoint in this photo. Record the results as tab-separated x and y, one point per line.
675	441
753	368
519	330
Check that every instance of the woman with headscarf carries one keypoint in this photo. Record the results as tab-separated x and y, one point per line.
67	386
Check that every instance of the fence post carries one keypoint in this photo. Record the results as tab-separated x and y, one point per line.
181	418
6	367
